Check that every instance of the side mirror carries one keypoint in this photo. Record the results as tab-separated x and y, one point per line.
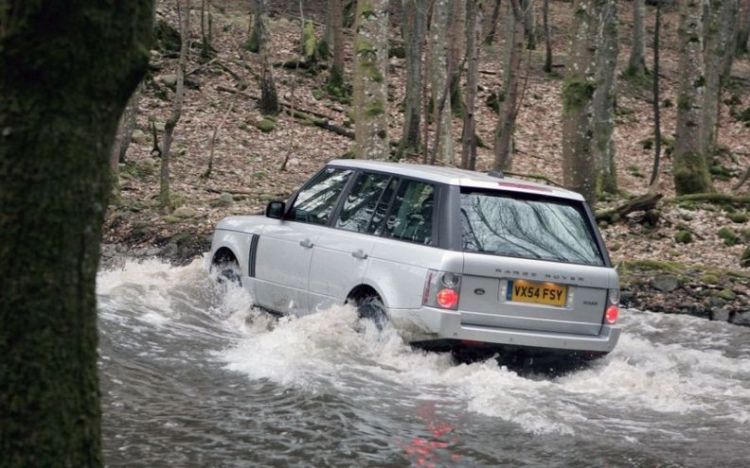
275	209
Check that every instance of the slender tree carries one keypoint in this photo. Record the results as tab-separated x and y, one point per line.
67	70
656	101
125	130
493	23
636	61
603	113
509	110
370	84
456	39
415	23
336	23
474	17
690	168
439	63
207	21
547	38
529	23
269	101
743	27
183	9
719	36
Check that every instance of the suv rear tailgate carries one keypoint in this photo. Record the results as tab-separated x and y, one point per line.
509	292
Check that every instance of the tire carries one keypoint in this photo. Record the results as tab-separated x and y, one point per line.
372	308
228	273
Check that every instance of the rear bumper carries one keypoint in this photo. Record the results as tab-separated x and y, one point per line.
446	324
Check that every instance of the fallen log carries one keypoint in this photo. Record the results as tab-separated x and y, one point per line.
643	202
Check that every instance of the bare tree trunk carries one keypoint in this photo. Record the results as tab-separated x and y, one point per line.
579	163
743	27
718	39
336	11
125	130
491	35
657	103
331	20
206	26
690	168
474	17
508	113
547	38
184	16
415	12
637	62
269	100
456	38
370	83
86	58
604	99
529	26
440	77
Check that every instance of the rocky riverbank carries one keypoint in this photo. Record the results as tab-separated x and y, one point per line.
669	287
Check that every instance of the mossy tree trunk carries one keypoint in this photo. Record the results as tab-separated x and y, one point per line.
441	107
415	18
474	17
690	168
370	84
253	41
269	101
579	162
718	36
603	122
637	61
63	90
509	109
183	8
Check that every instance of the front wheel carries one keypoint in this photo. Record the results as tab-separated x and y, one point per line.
228	273
371	308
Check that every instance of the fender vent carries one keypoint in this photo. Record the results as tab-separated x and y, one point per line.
252	255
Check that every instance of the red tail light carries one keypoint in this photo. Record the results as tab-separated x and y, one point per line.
610	316
447	298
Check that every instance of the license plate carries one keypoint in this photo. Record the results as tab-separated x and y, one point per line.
537	293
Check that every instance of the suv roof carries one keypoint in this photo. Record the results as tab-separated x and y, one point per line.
455	176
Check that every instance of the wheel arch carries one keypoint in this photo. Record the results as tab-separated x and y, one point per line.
364	290
224	254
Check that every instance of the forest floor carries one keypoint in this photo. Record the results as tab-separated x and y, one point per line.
252	166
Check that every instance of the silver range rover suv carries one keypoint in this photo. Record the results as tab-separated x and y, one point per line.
441	253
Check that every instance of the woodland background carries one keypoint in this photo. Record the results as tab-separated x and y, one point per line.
230	155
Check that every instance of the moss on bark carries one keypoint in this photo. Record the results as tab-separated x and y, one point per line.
64	89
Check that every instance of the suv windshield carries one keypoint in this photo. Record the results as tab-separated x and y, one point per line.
519	225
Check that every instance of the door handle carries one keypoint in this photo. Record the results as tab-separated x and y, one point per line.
359	254
307	243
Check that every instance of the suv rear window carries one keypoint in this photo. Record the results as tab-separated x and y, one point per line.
518	225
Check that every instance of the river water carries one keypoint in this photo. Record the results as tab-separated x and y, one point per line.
191	376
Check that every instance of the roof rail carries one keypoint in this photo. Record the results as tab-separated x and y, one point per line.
498	174
537	177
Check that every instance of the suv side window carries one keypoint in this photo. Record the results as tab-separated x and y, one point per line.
362	201
317	200
410	218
